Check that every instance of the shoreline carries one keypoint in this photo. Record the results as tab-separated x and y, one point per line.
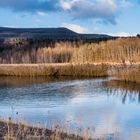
12	130
122	71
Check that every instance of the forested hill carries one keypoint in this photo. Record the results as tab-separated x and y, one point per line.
48	33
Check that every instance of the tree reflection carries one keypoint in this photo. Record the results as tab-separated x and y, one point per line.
11	81
126	91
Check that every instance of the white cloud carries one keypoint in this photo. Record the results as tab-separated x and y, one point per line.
75	27
105	10
67	5
122	34
88	9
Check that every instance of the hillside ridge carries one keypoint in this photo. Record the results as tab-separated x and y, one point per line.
48	33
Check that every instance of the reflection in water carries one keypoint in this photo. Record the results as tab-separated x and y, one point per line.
126	91
103	105
23	81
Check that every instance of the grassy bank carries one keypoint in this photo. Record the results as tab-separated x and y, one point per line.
54	70
124	72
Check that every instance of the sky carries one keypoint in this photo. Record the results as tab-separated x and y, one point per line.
114	17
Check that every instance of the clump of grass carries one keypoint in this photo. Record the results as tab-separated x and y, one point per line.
128	73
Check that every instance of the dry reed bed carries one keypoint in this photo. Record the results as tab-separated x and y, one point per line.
122	50
122	56
128	73
54	70
125	72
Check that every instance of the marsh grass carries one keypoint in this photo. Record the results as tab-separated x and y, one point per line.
54	70
121	50
75	59
129	73
124	72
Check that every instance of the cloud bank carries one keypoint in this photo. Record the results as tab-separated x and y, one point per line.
104	10
89	9
122	34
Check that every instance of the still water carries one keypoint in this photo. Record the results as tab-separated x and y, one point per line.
105	106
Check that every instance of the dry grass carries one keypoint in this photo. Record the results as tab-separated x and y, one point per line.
77	59
128	73
122	50
22	131
125	72
75	70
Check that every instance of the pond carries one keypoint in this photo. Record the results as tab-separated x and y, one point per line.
104	106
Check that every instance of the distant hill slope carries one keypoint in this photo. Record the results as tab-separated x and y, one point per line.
48	33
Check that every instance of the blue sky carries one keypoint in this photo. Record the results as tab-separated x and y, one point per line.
115	17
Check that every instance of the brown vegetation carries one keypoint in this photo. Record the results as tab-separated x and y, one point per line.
122	50
75	70
21	131
128	73
119	58
76	58
9	130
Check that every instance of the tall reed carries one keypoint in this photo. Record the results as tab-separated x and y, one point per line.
122	50
128	73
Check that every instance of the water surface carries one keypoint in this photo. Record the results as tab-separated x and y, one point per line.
106	106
